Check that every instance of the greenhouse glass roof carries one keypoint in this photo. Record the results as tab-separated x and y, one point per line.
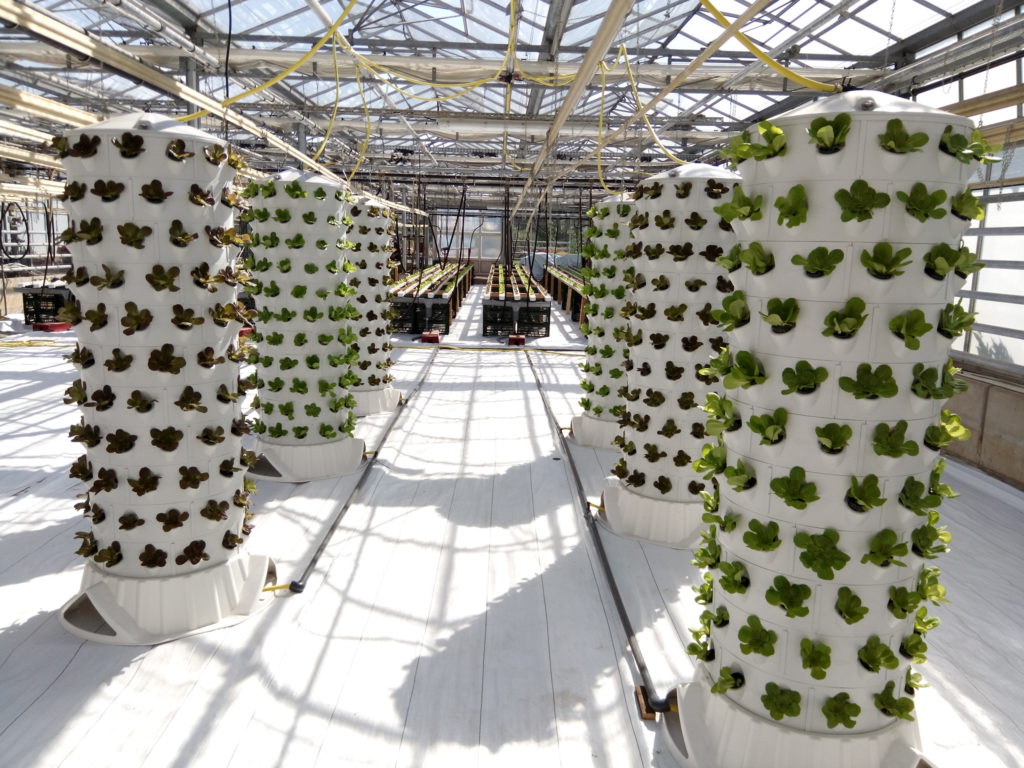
489	90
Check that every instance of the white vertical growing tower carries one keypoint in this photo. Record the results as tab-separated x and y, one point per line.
304	322
850	216
158	355
371	243
672	284
597	426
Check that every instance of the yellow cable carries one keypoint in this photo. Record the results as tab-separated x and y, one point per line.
337	98
600	130
284	73
504	134
379	71
366	132
551	81
35	343
766	59
647	122
468	87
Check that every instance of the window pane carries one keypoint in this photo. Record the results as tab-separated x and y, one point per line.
996	248
1007	281
1005	214
998	313
1001	348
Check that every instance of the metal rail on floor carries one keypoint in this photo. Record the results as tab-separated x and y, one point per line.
299	584
647	700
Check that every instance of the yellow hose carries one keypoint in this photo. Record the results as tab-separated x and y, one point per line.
764	58
337	99
284	73
636	95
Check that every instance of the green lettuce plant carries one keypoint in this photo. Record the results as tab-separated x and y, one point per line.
863	495
815	657
781	314
833	437
875	655
830	135
954	321
968	148
941	435
780	702
909	327
897	140
762	537
821	552
930	540
885	548
754	637
733	577
849	606
741	207
794	489
757	259
789	596
839	710
887	703
728	680
740	476
964	205
917	497
844	323
859	202
774	142
722	416
770	426
734	312
892	440
819	262
111	278
883	262
792	206
922	204
803	378
870	383
745	371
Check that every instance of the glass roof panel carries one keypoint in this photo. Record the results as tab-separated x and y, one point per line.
857	38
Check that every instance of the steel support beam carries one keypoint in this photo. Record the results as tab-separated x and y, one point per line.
37	22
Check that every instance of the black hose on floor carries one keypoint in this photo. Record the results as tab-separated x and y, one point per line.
648	702
299	584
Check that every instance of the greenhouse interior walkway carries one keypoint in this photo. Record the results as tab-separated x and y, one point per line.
458	616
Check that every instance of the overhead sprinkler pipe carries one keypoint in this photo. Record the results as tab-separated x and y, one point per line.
677	81
154	23
611	23
328	21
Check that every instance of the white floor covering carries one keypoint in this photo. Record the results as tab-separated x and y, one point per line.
458	616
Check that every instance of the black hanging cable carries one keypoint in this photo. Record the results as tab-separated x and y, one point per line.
3	260
458	214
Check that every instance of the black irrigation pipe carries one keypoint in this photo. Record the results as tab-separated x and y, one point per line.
647	700
299	584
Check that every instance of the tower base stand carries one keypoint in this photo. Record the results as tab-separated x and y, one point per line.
594	433
375	400
121	610
301	463
671	523
710	731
